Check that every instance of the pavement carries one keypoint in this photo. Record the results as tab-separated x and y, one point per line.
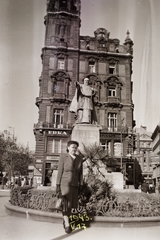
16	228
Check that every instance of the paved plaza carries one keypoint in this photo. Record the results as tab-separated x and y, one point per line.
15	228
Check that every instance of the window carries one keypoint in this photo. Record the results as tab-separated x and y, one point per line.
57	146
107	147
104	145
60	63
58	118
118	149
63	3
112	68
102	45
112	92
92	67
112	121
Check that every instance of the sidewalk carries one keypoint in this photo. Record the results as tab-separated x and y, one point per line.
15	228
4	192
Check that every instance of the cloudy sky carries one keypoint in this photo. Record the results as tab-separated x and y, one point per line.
22	37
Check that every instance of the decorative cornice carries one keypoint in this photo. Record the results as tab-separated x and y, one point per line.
60	75
113	80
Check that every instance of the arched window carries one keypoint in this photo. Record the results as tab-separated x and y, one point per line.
58	118
113	91
112	122
113	66
63	3
61	64
91	65
61	81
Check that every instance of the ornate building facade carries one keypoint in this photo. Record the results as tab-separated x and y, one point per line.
155	157
144	152
68	57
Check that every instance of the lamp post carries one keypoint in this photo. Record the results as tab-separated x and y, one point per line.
121	144
12	180
121	152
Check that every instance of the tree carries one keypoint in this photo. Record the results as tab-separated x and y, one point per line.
2	150
24	158
14	158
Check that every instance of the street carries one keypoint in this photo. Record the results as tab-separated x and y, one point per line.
15	228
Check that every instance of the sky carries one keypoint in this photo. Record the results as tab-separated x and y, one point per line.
22	34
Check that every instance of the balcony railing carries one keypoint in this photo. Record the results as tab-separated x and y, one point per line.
59	97
46	125
62	44
113	100
118	129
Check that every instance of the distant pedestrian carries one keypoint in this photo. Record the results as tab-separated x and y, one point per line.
3	184
31	181
145	187
4	181
16	183
26	181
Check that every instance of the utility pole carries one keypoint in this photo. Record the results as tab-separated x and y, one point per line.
121	144
12	180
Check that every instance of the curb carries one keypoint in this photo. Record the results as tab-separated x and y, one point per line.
98	221
33	214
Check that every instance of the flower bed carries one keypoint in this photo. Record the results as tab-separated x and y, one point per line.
119	205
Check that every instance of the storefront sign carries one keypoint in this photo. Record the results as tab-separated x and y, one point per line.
52	158
62	133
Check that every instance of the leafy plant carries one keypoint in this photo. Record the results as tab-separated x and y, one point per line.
96	185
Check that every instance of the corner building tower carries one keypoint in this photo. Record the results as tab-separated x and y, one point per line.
68	57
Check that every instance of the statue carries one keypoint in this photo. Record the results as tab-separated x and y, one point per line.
83	103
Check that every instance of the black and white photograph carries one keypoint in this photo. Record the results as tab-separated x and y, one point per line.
80	119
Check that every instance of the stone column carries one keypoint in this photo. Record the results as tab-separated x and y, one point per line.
147	160
142	160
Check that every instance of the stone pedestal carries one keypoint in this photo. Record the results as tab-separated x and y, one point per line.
116	178
86	134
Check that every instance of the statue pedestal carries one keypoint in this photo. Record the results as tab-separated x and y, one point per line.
116	178
86	134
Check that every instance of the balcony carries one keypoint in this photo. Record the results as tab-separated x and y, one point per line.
62	44
113	102
46	125
118	129
59	97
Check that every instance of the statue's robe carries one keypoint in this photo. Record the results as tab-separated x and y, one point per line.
83	104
